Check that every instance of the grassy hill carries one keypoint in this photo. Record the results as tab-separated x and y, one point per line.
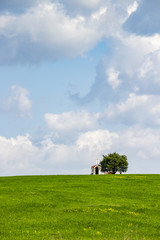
80	207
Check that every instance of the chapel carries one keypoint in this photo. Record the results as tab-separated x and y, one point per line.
96	169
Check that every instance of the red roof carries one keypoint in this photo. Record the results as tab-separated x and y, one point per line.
94	165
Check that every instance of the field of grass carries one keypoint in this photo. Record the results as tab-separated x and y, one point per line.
112	207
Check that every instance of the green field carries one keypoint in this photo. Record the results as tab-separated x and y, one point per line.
80	207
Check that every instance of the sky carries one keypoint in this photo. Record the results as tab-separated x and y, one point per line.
79	79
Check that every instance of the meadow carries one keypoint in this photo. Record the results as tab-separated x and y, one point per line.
111	207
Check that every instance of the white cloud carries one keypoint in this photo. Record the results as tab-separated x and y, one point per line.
18	102
19	156
16	153
48	30
132	8
65	128
134	64
71	121
132	52
136	110
146	67
142	148
113	78
96	141
144	21
149	72
45	31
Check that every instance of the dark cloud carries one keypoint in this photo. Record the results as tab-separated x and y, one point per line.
145	21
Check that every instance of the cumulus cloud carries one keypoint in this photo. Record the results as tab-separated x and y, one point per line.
126	85
113	78
18	102
69	121
16	153
148	73
132	66
96	141
45	31
66	127
48	30
141	147
145	20
20	156
136	110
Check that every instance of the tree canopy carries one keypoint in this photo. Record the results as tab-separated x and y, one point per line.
113	163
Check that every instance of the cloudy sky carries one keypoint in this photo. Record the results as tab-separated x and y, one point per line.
79	79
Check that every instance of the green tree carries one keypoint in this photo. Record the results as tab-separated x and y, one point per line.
113	163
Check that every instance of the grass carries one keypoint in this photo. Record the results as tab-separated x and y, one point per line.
113	207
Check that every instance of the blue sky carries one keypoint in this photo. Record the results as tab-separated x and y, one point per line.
78	80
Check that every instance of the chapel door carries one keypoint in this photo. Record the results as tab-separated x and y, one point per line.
97	171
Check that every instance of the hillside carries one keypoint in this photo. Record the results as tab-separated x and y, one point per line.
80	207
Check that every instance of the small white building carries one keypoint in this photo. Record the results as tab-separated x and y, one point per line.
96	169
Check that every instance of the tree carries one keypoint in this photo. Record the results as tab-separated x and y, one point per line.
113	163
